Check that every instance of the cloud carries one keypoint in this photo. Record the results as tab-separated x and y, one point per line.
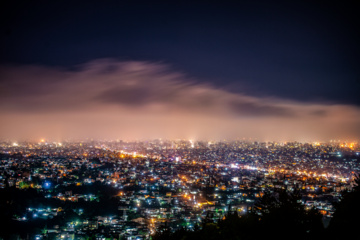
132	99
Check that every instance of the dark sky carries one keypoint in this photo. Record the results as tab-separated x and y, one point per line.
293	49
301	51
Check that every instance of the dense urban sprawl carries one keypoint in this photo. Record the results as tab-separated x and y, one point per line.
128	190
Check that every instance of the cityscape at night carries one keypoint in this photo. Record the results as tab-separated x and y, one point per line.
132	189
155	120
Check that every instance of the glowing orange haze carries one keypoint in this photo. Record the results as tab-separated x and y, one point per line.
141	100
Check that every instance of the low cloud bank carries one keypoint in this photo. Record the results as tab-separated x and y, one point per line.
140	100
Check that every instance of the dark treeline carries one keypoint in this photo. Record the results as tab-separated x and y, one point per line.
279	215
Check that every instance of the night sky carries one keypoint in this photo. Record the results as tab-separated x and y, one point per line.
271	70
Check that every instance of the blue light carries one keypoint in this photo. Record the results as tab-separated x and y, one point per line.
47	185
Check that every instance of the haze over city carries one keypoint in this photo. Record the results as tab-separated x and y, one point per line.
110	99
